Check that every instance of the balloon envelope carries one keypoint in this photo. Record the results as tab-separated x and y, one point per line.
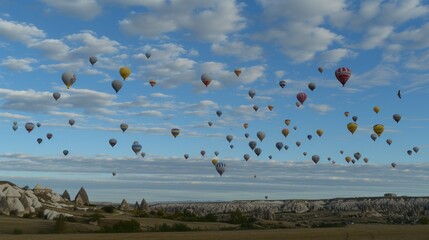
112	142
260	135
302	96
123	127
92	60
220	167
116	85
56	95
352	127
29	127
124	72
68	78
206	79
175	132
343	74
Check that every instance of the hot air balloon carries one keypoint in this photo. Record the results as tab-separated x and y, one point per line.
354	118
210	123
302	96
286	147
279	145
312	86
309	137
71	122
39	140
220	168
319	132
376	109
175	132
352	127
136	147
343	74
252	93
123	127
124	72
348	159
38	124
231	146
112	142
113	173
298	104
282	83
295	127
219	113
246	157
329	158
258	151
315	158
245	125
252	145
399	94
56	95
285	132
229	138
341	151
65	152
287	122
270	157
143	154
237	71
396	117
148	54
29	127
389	141
393	165
116	85
68	79
378	129
374	136
357	155
346	114
255	107
202	152
152	83
92	60
416	149
15	122
206	79
270	107
353	161
214	162
49	136
260	135
298	143
15	127
365	160
246	135
409	152
186	156
304	153
320	69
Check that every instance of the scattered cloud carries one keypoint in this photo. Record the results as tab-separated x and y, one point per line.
81	9
15	64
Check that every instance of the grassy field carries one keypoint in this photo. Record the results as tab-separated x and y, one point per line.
357	231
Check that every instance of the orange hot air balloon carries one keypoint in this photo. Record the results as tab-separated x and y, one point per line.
237	71
270	107
152	82
352	127
285	132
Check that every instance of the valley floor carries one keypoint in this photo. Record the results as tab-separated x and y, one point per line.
357	231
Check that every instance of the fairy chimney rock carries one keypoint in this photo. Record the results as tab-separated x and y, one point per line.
144	206
124	205
81	197
137	205
66	195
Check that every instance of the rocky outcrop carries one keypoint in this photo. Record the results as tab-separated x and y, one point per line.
124	205
51	214
66	195
136	206
144	206
81	197
17	200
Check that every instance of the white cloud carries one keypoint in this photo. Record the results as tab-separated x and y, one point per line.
238	49
331	57
83	9
321	108
160	95
376	36
150	113
209	20
280	73
15	64
23	32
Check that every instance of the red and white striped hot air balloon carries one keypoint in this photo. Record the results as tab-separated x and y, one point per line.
343	74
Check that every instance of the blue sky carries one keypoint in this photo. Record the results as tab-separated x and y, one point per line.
384	43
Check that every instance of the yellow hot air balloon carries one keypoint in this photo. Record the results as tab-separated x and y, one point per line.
378	129
352	127
319	132
376	109
245	125
348	159
214	162
285	132
125	72
175	132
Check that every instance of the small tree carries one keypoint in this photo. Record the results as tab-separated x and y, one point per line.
60	224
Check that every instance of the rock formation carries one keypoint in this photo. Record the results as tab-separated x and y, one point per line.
144	206
81	197
124	205
136	206
66	195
